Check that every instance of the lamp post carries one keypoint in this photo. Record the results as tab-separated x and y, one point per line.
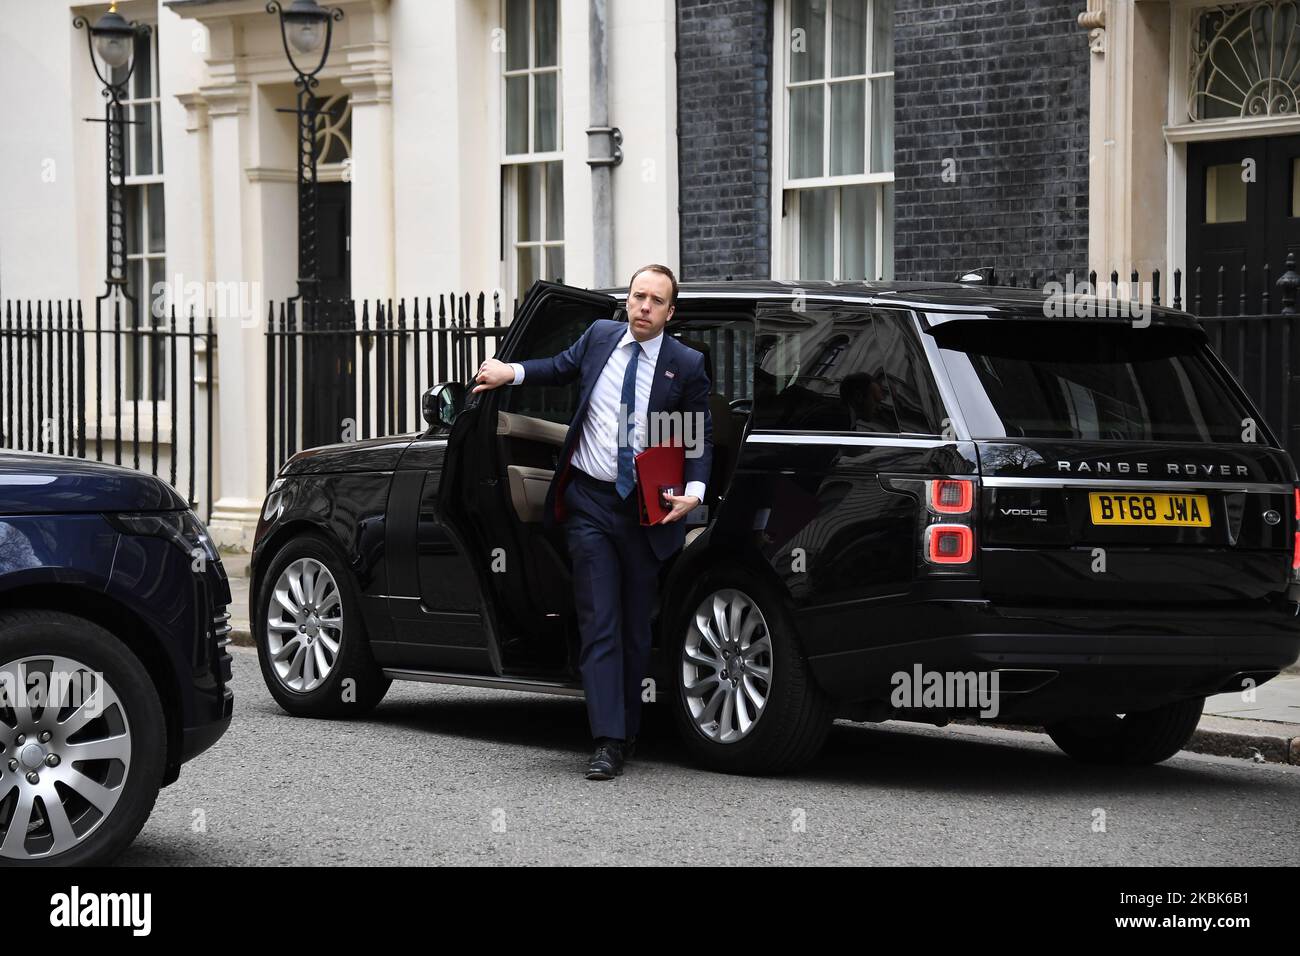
306	27
113	38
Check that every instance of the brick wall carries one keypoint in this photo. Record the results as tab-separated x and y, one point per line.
724	52
1001	88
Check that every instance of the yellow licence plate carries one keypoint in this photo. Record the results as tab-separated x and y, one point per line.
1174	510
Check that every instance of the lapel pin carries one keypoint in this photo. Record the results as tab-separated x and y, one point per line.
669	373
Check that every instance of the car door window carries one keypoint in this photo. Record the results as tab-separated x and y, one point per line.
547	334
810	372
897	363
842	369
726	339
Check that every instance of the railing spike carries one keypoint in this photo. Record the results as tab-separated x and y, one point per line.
1288	283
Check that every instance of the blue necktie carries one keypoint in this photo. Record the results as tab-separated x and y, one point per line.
626	472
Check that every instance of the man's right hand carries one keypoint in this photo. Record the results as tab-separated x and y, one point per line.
493	374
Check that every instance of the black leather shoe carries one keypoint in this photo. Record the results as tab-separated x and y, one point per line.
607	761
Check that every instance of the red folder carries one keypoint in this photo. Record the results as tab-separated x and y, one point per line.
659	469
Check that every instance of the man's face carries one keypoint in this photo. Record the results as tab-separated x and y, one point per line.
648	310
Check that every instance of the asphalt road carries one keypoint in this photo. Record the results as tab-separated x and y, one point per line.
458	776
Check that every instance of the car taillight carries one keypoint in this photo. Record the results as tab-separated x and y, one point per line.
952	542
948	496
946	522
949	543
1295	547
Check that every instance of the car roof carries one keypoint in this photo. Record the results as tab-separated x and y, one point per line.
955	299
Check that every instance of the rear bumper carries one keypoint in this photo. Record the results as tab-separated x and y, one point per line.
1061	662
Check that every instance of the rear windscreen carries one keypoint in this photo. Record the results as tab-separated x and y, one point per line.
1027	379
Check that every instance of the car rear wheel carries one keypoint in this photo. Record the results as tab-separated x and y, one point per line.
743	698
83	741
1129	739
311	639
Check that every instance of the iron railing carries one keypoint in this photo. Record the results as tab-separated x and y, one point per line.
112	392
339	370
1217	293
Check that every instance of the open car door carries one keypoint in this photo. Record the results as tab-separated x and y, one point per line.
502	455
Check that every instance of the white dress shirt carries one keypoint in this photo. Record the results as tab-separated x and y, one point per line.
597	449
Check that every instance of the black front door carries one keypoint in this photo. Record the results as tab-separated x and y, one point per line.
329	372
1243	210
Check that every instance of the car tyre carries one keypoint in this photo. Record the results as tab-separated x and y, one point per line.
102	802
1135	739
734	606
317	662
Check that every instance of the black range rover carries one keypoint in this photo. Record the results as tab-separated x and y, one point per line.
1088	516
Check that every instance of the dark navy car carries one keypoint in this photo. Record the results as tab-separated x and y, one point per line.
907	480
113	669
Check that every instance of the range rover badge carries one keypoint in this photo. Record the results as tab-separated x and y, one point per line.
1272	517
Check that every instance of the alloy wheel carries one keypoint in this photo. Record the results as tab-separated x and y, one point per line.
304	626
726	666
65	753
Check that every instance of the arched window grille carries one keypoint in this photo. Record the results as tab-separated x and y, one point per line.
1246	61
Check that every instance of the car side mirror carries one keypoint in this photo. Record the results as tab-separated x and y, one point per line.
442	403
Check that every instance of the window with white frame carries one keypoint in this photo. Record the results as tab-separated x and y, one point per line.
836	124
144	372
532	172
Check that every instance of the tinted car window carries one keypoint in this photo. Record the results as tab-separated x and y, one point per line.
897	362
547	334
1027	379
842	370
726	339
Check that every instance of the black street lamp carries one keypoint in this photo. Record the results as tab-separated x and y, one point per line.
113	38
306	27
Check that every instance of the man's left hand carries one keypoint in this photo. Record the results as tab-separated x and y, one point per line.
682	505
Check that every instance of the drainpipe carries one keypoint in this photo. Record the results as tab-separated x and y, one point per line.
603	152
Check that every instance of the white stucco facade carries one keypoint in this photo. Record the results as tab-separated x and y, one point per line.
424	80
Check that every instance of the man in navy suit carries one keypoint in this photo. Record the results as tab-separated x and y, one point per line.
633	380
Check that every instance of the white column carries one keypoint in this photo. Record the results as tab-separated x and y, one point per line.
446	156
1127	198
240	438
575	113
367	75
643	104
1099	143
372	230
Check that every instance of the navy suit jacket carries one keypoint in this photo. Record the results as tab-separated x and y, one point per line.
680	384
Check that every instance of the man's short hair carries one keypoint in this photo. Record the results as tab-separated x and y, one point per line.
662	270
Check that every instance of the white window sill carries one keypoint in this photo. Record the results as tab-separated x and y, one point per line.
106	428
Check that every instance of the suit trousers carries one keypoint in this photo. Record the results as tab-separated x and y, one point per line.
615	581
